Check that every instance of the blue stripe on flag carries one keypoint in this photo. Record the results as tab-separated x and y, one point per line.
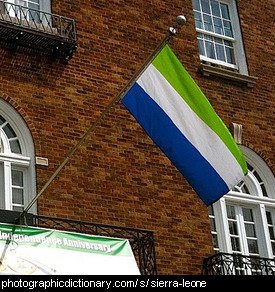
188	160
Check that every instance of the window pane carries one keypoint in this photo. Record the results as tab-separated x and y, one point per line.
33	6
198	20
22	2
270	228
264	190
17	178
227	28
18	209
228	44
249	167
208	38
225	12
235	242
215	241
248	214
215	8
218	25
15	147
9	131
2	120
210	50
245	189
218	41
257	176
230	212
273	247
196	5
252	246
228	32
220	53
268	217
29	2
205	6
233	228
230	59
207	23
211	210
271	232
34	15
17	196
201	47
250	230
213	224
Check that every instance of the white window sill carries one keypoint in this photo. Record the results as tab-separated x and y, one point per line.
209	70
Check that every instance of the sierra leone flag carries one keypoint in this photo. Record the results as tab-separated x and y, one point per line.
174	112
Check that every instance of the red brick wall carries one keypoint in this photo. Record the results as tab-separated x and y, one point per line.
119	176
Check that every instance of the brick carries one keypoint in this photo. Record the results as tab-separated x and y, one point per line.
119	176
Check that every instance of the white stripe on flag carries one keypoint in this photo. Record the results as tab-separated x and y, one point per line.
193	128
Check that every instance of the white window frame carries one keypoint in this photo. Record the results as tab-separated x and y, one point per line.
44	5
24	162
238	46
264	243
259	203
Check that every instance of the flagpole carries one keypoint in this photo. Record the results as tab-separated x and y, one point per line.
180	20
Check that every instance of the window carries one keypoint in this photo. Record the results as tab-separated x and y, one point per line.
10	137
243	221
43	5
242	230
218	34
31	14
33	4
271	229
252	184
29	10
17	173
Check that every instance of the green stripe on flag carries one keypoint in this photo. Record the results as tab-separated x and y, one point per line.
170	67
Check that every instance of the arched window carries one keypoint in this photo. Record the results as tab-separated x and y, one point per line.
17	171
243	221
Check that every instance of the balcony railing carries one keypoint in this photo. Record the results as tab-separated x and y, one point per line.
236	264
141	241
31	28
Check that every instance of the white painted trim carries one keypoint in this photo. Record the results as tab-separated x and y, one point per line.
262	168
7	185
238	45
218	62
258	203
237	41
15	159
26	161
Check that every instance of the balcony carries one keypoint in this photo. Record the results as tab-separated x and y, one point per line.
141	241
236	264
23	27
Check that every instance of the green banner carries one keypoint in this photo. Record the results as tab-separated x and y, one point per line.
29	250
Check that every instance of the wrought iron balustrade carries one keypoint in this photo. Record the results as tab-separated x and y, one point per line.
142	241
236	264
27	27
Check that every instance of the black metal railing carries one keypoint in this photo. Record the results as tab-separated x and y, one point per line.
27	26
142	241
236	264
